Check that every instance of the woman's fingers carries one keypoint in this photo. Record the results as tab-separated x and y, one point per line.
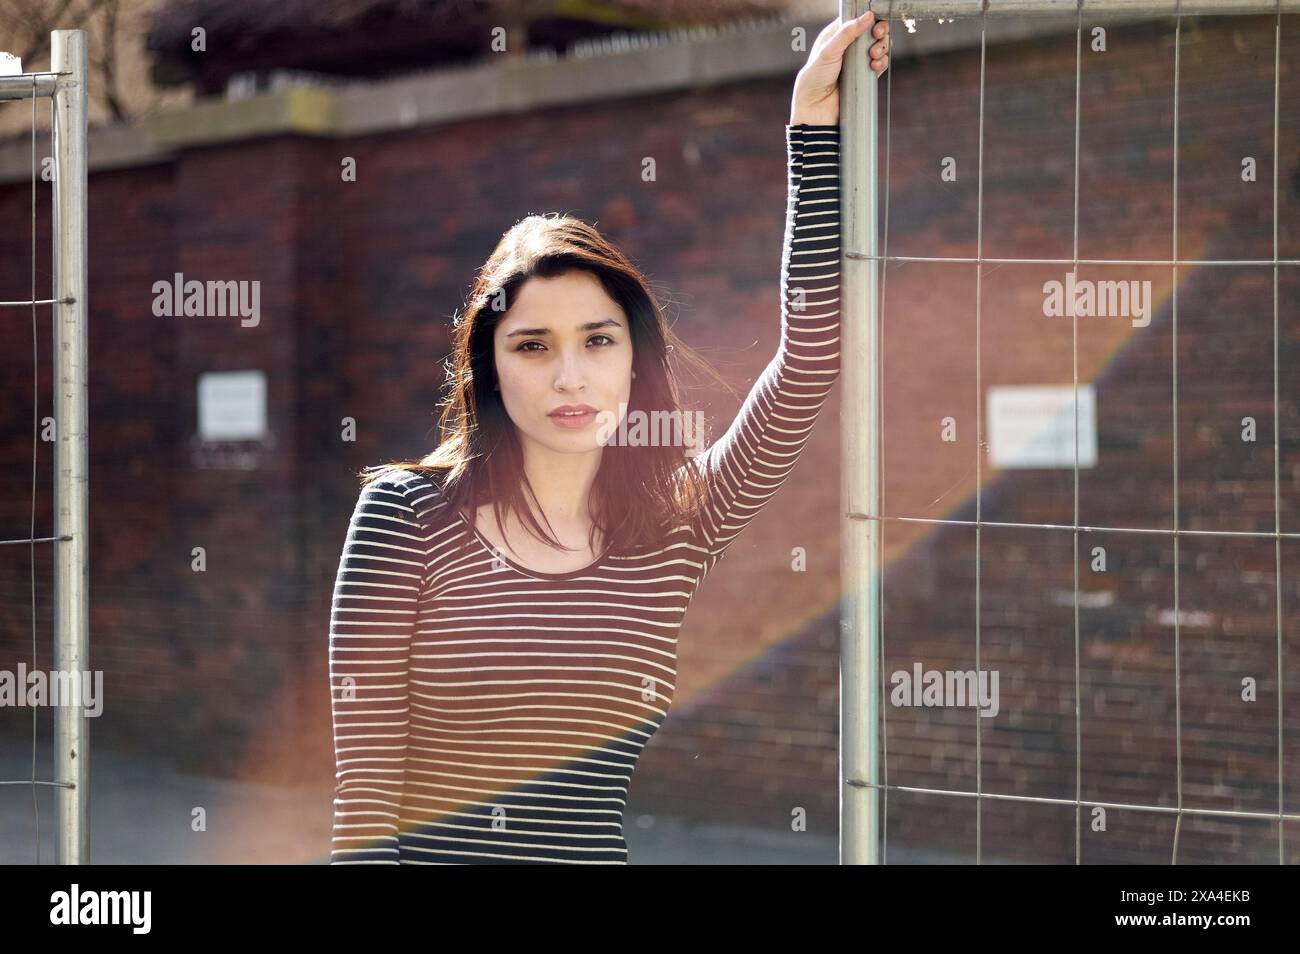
839	35
881	33
879	52
826	33
855	28
842	36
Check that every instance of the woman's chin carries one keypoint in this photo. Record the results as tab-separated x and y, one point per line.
562	441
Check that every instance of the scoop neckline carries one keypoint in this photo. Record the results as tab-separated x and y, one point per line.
527	571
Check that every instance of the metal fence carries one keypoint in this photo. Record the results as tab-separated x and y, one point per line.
863	707
64	85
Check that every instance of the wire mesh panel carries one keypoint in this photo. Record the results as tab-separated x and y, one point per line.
1069	689
64	85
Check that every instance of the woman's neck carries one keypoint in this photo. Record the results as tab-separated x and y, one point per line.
562	483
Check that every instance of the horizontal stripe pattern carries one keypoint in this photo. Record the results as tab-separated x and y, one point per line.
485	713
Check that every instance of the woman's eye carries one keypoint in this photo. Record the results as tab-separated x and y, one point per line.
606	339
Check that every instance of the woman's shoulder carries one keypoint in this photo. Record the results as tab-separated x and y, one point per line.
421	488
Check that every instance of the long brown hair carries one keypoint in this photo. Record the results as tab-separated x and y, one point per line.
640	492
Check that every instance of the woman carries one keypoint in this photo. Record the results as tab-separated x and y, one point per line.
494	680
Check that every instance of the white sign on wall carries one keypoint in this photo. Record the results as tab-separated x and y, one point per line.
232	405
1033	426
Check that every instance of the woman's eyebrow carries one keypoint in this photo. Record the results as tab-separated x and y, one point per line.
589	326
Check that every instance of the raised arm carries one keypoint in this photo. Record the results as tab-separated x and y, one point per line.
372	620
750	462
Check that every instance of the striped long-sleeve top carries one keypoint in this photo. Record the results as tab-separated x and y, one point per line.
486	713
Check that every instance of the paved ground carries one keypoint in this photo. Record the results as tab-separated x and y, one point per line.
143	813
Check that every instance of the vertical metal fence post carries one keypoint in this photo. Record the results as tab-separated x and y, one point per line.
859	448
71	451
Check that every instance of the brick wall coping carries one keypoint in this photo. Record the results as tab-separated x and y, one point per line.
607	70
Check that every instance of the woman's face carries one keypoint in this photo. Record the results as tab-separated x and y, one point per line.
564	342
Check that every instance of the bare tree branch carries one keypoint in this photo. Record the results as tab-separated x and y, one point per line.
32	21
107	62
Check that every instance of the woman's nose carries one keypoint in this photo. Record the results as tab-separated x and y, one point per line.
569	375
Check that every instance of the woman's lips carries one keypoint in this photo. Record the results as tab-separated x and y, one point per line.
572	420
